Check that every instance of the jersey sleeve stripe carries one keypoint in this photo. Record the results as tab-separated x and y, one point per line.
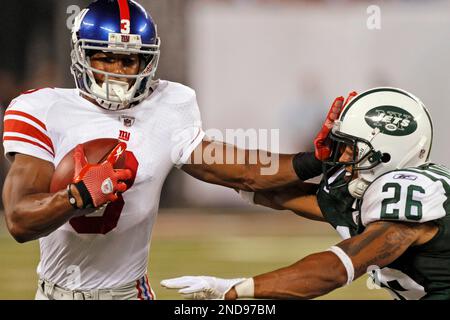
20	139
26	115
17	126
24	136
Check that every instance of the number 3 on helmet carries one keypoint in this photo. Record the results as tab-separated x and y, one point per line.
387	129
120	27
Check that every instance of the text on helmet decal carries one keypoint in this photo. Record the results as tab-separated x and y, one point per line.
118	40
391	120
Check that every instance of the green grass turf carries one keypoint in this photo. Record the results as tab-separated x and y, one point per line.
216	253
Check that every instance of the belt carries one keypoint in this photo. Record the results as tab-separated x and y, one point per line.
55	292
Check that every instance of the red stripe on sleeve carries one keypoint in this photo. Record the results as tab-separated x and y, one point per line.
27	141
26	115
17	126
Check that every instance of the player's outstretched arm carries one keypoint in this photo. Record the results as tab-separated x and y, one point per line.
317	274
299	198
255	170
240	169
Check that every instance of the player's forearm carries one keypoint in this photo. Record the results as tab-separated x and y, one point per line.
271	170
262	175
299	198
249	170
37	215
310	277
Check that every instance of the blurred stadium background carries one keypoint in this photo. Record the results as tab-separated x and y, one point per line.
262	64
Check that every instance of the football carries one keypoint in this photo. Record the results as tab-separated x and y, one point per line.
96	151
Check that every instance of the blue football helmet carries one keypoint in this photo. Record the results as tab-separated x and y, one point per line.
120	27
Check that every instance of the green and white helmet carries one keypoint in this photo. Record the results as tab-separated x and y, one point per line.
388	127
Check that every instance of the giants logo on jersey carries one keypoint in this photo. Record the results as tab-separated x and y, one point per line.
124	136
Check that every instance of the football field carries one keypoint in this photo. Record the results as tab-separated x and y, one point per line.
223	243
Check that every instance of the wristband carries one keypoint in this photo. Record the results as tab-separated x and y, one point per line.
85	195
245	289
306	165
346	261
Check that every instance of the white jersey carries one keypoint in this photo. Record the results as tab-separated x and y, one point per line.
109	248
408	195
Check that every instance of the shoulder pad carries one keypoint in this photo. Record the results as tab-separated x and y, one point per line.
411	195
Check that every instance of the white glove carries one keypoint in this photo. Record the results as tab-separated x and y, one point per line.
201	287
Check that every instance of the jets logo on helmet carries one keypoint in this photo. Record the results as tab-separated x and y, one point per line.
386	129
391	120
119	27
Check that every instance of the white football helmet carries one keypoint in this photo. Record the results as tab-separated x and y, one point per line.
387	128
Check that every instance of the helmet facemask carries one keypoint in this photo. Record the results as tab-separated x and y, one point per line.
364	157
113	94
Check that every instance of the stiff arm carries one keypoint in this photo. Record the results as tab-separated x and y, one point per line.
250	170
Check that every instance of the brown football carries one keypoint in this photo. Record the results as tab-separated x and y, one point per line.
96	151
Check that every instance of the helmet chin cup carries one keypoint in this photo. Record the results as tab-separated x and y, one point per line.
357	187
113	92
116	89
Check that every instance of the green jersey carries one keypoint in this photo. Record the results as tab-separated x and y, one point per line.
415	195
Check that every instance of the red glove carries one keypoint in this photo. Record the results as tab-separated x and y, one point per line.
322	146
99	183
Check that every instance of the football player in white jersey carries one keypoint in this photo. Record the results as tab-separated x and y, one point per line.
388	203
115	52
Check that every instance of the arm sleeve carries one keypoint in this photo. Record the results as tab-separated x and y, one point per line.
188	133
406	196
25	128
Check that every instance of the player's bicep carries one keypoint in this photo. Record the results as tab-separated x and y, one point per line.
27	175
218	163
380	244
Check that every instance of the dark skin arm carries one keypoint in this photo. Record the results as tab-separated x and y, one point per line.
317	274
299	198
31	212
253	175
239	169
